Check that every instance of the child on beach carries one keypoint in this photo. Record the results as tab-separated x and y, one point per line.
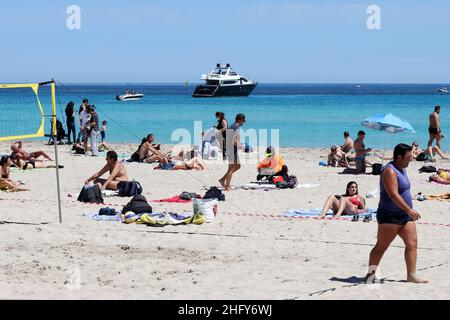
103	130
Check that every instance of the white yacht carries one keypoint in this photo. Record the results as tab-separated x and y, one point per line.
443	90
223	81
130	95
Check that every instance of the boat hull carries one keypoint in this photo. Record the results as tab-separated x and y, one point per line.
129	98
207	91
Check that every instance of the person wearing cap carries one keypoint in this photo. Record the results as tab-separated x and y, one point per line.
272	165
233	144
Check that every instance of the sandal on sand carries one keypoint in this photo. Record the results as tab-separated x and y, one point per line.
355	217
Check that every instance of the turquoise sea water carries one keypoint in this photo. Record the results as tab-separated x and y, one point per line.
307	115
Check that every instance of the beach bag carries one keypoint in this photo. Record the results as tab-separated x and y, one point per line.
214	193
205	207
135	157
78	150
138	204
107	212
188	195
129	188
91	194
376	168
292	182
428	169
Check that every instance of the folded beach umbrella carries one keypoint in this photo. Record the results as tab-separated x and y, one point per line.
388	122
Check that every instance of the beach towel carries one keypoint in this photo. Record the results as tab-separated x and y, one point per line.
110	193
164	218
97	217
440	197
314	213
256	186
173	199
307	185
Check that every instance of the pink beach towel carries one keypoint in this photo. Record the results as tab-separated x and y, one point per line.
173	199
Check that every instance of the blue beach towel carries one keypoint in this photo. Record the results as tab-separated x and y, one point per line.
317	211
95	216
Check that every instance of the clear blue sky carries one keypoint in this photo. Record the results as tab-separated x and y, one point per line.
269	41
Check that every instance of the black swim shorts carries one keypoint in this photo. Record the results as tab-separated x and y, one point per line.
398	218
433	130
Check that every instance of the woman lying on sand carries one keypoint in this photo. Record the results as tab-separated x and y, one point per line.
425	155
5	182
442	177
27	165
194	164
350	203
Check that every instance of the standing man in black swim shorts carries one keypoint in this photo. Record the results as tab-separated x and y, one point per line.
434	130
395	214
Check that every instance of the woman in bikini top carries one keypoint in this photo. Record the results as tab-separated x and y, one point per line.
350	203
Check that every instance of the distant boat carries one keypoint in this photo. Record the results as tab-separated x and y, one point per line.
130	95
443	90
223	81
358	86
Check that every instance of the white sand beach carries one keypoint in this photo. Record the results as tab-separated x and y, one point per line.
250	251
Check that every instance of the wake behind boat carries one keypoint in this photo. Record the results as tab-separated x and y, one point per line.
130	95
223	81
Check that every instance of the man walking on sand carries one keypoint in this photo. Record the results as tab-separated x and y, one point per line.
233	144
395	214
434	130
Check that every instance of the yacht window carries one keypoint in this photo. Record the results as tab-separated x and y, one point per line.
243	79
229	82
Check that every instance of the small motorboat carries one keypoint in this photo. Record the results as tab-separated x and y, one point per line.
130	95
443	90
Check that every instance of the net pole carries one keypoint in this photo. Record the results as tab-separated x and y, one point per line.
55	142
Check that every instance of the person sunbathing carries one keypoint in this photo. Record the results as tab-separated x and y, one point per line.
21	154
442	177
421	155
337	158
5	182
117	173
194	164
27	165
350	203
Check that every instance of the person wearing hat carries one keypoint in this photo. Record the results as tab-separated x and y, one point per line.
233	144
272	165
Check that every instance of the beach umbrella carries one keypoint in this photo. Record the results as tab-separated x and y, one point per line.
389	123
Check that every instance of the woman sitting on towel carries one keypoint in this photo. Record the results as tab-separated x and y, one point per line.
194	164
350	203
442	177
5	181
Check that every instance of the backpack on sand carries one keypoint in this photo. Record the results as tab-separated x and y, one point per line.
129	188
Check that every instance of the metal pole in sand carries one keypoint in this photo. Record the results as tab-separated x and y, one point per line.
55	142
